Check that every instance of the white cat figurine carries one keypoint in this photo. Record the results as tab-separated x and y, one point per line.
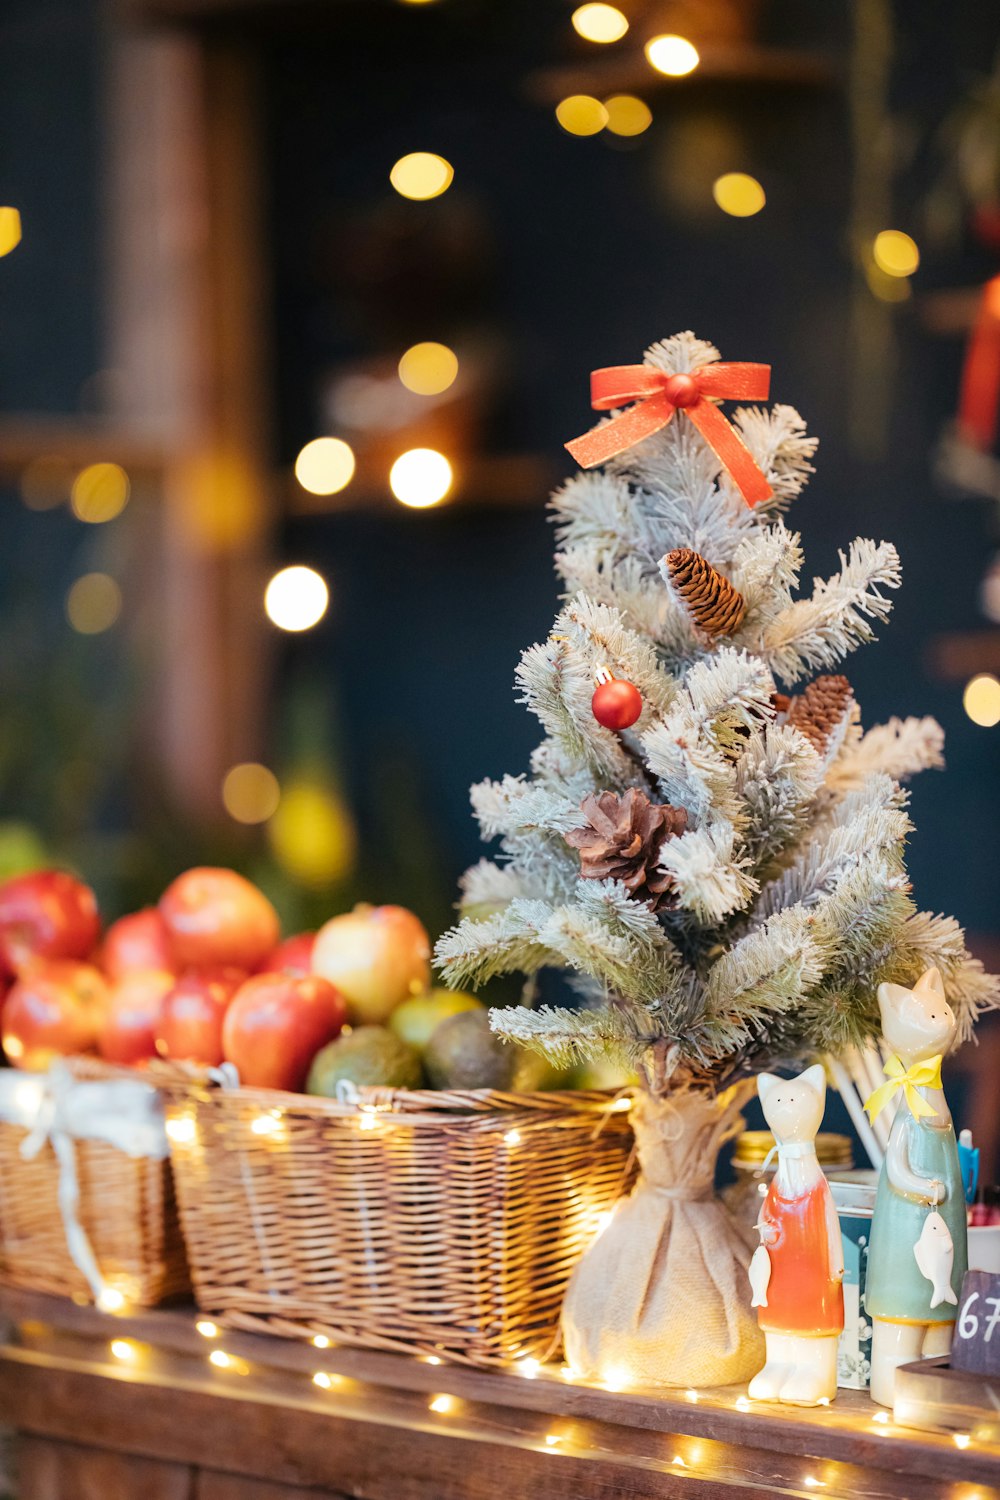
798	1295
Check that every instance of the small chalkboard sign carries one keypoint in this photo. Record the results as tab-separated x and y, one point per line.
976	1345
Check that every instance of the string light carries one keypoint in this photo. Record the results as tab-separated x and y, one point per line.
269	1124
512	1138
961	1439
207	1328
325	1380
109	1300
581	115
981	700
100	493
881	1416
93	604
368	1119
325	466
627	115
599	23
250	793
428	369
673	55
442	1403
738	194
223	1361
124	1350
529	1368
812	1483
692	1396
421	175
321	1341
895	253
10	230
742	1403
182	1130
296	598
420	477
552	1439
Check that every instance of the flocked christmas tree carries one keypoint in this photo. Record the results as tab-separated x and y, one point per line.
724	879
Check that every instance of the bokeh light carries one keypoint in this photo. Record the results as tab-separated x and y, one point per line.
420	477
627	115
10	230
428	369
599	23
673	55
325	466
46	483
100	493
895	253
738	194
250	792
311	834
421	174
581	115
296	598
93	604
981	700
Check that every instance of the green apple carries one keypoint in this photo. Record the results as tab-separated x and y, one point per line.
416	1020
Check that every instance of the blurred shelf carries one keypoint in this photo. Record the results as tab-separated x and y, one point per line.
624	71
78	441
963	653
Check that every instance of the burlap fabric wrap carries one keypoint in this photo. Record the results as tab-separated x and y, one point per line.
662	1296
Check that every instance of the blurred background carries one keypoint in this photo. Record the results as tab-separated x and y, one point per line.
318	287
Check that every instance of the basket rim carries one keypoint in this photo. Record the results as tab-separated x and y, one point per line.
429	1103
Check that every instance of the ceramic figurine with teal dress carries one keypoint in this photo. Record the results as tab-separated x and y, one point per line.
919	1244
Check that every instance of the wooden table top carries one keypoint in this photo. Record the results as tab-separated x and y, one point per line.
250	1411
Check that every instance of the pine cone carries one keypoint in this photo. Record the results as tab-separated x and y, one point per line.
622	839
821	711
712	601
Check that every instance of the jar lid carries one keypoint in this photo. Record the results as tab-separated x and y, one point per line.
831	1150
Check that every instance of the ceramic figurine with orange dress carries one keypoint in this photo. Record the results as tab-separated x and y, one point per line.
797	1271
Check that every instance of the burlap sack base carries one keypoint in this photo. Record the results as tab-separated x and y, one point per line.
662	1296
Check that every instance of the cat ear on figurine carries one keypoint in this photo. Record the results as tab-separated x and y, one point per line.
765	1083
815	1077
930	982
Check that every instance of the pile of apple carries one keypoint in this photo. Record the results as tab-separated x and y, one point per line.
202	977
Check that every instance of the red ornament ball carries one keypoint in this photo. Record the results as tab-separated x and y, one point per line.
616	704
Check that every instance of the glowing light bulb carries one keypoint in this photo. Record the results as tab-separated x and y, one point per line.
627	115
552	1439
420	478
110	1300
93	604
738	194
220	1359
581	115
181	1130
432	1359
250	794
599	23
321	1341
268	1124
325	466
673	55
323	1380
529	1368
961	1439
428	369
442	1403
10	230
981	700
207	1328
895	253
421	175
124	1350
296	598
100	492
512	1138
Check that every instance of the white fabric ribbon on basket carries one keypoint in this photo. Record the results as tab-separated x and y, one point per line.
61	1109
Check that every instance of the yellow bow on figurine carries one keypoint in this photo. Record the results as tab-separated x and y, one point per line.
925	1074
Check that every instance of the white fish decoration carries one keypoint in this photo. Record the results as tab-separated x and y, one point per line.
760	1276
935	1255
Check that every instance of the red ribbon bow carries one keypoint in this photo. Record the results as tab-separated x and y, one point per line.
657	395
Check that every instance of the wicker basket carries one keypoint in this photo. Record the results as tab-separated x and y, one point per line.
126	1208
435	1223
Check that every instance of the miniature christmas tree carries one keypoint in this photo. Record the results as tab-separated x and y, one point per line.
725	880
717	862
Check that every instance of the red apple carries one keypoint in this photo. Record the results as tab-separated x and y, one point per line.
189	1025
47	914
128	1029
217	917
138	941
293	956
276	1025
55	1009
377	956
